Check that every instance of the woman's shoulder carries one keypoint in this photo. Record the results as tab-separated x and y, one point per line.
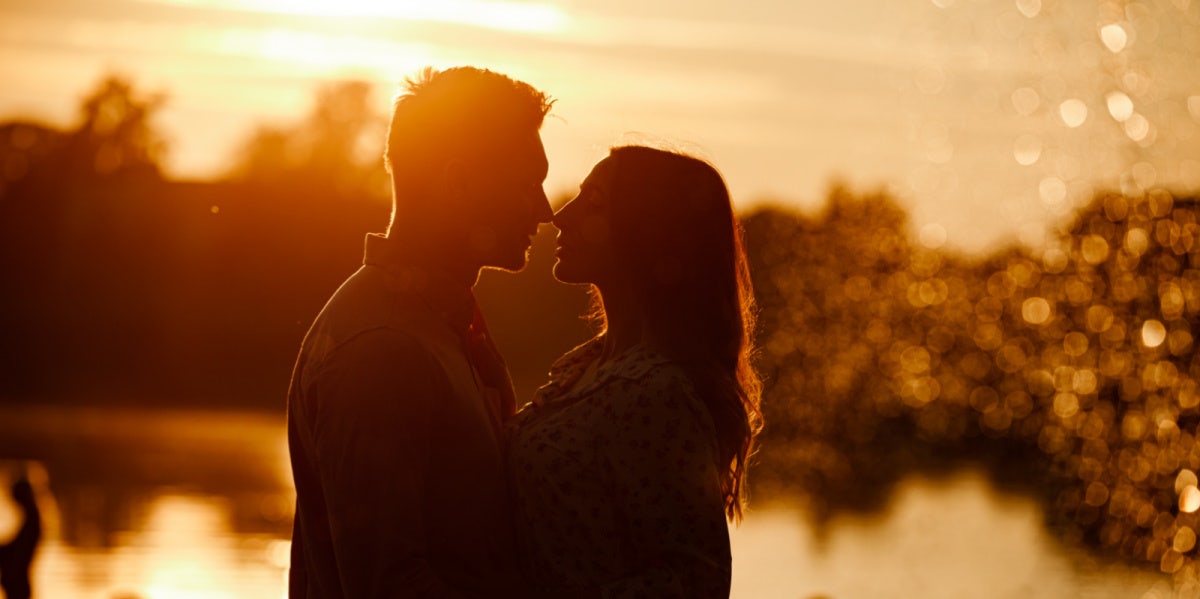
658	410
565	370
651	384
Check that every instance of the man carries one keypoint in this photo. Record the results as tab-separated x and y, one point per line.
398	395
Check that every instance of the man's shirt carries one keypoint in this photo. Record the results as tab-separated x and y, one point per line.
395	442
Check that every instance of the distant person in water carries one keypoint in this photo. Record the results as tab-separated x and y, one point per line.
398	398
628	462
17	555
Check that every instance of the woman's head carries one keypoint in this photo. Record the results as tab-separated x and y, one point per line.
658	227
652	220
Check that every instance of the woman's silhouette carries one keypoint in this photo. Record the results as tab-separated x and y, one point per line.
629	460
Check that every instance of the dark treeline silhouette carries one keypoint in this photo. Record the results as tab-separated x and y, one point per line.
125	286
1069	371
128	287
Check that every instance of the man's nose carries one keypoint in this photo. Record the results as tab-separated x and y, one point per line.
541	207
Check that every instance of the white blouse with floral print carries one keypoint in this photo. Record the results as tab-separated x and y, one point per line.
616	481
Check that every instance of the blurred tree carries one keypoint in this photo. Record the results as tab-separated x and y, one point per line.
23	146
338	147
116	133
1069	372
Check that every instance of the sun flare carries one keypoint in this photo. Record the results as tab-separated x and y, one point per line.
524	17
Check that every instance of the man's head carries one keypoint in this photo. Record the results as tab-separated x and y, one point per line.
467	163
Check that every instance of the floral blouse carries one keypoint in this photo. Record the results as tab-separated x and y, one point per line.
616	481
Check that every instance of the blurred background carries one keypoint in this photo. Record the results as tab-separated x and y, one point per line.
973	227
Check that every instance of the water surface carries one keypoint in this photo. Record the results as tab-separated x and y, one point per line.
184	504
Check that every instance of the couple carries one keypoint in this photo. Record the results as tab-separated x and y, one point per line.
416	476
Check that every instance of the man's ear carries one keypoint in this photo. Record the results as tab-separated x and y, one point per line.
453	178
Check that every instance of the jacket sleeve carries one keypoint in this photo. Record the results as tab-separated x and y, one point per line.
373	435
662	456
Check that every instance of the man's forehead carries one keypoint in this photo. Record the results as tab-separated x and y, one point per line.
524	155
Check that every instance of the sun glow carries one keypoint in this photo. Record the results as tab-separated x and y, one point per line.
493	14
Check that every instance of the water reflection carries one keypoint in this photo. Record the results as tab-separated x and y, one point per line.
950	537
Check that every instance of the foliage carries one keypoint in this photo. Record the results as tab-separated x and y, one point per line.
1071	372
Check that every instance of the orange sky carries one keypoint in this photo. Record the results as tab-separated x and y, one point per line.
989	118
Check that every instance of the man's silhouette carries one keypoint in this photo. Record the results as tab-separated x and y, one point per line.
398	395
16	556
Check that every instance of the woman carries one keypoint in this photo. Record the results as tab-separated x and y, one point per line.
627	463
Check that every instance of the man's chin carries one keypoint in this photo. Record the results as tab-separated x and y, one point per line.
512	263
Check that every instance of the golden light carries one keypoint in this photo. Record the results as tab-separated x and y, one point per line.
1035	310
1027	149
1184	479
526	17
1029	8
1153	333
933	236
1119	105
1189	499
279	553
189	535
1097	494
1094	249
1052	190
1025	100
1073	112
1137	241
1066	404
1099	318
1114	37
1170	299
1185	540
1085	381
1144	173
1137	127
1054	260
1075	344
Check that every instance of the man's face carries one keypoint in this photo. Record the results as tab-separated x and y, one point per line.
505	203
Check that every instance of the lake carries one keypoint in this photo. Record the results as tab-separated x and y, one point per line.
193	504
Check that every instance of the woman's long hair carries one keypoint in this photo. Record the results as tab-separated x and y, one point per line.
677	237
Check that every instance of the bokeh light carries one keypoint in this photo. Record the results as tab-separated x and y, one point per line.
1114	37
1119	105
1073	112
1081	352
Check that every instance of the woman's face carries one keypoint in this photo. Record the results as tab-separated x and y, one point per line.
585	241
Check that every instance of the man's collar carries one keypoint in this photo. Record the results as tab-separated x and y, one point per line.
416	274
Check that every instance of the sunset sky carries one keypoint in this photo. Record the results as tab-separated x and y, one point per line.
988	118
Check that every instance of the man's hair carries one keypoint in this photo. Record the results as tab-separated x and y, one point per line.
461	112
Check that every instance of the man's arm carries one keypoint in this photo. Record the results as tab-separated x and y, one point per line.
374	432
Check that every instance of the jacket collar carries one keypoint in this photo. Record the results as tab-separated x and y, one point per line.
413	274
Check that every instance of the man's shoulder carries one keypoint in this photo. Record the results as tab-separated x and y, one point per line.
369	301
